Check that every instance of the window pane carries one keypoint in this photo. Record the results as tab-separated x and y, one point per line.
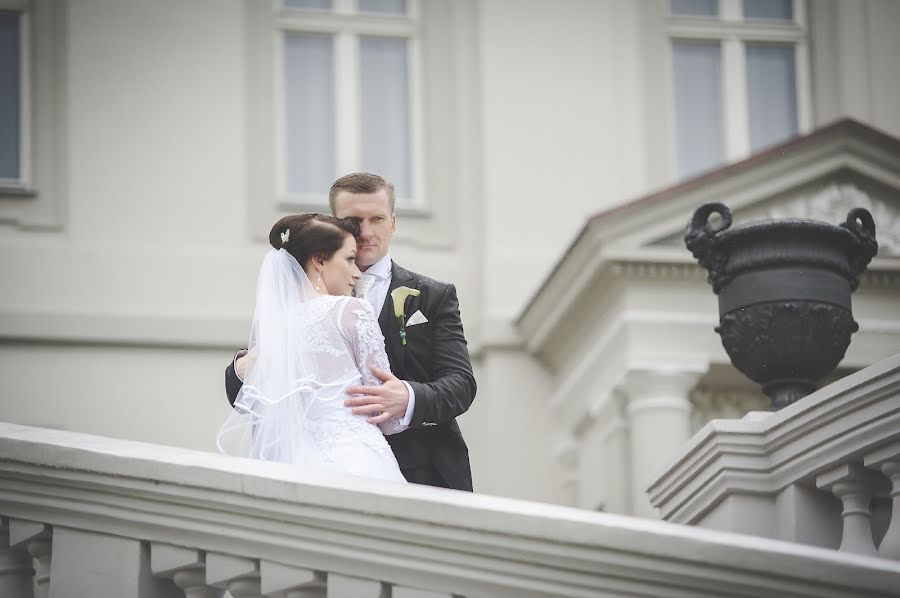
384	89
10	88
697	76
771	94
394	7
706	8
309	112
782	10
313	4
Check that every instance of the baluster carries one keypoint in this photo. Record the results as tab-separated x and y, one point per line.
292	582
89	564
854	486
186	567
238	575
37	539
16	570
888	460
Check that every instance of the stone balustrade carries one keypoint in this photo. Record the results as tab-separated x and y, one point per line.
824	471
84	516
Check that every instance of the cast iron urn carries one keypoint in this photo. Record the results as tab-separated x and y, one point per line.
784	293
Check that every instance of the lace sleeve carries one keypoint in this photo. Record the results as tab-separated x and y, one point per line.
367	342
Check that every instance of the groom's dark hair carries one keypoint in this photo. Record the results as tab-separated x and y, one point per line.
308	235
360	182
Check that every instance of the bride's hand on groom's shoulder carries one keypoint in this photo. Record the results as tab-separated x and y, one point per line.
244	360
381	403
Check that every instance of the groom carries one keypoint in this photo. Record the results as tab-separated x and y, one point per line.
431	381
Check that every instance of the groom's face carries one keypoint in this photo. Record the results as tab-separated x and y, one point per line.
377	223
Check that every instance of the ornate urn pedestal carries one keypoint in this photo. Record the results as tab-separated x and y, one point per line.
784	293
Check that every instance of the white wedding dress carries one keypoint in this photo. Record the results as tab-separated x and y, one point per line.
303	355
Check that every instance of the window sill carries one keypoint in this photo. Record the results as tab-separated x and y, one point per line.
305	206
17	191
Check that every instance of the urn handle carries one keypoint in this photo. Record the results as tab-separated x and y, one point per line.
861	224
700	239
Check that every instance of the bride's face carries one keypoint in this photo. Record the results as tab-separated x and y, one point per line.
340	272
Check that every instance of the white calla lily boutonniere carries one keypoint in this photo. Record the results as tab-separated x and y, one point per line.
398	296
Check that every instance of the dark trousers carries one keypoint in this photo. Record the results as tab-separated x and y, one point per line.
425	475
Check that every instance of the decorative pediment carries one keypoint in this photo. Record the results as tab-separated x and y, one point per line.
832	203
818	176
828	201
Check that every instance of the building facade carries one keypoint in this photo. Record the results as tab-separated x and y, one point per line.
149	146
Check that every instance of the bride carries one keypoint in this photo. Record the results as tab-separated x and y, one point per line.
310	340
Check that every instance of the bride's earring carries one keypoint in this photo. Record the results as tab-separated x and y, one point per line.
319	283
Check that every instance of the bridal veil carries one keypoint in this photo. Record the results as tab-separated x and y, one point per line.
282	382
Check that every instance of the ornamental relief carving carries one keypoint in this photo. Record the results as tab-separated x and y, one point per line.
831	204
827	204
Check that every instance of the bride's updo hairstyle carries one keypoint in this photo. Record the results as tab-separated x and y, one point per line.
308	235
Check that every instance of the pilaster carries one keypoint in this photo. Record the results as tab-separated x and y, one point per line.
658	412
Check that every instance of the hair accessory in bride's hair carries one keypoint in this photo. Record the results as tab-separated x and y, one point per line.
285	236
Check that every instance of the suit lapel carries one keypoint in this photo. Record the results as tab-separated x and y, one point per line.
388	323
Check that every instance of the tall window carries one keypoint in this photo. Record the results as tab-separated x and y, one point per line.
740	78
14	128
347	95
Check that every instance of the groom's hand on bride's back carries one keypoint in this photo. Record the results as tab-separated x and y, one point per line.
389	400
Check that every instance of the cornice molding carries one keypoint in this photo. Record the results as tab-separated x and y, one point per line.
884	273
879	277
123	330
643	270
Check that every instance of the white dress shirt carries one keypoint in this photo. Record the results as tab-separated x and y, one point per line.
377	293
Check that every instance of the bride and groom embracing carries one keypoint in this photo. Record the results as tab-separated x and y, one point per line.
355	364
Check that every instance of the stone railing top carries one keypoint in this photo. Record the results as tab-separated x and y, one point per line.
416	536
765	452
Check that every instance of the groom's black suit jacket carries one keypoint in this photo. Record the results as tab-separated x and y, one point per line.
435	363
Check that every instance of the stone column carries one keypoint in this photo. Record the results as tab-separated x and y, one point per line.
16	570
887	459
854	486
185	566
239	575
890	544
603	457
659	421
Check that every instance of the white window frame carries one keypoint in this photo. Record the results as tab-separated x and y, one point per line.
348	25
23	184
37	199
734	32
